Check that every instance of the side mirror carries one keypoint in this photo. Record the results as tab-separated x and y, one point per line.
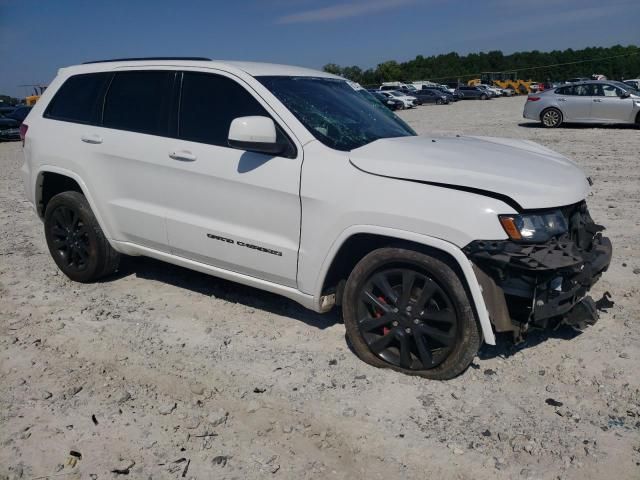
625	95
255	134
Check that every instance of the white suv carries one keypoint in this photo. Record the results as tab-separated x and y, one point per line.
299	182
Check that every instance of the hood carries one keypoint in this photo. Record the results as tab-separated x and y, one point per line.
520	172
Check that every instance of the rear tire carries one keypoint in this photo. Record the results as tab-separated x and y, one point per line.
410	312
76	241
551	118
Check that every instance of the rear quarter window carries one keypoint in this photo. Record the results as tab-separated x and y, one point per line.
79	99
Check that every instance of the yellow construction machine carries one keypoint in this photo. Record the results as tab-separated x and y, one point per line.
38	90
503	80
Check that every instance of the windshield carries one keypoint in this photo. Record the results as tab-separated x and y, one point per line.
624	86
341	116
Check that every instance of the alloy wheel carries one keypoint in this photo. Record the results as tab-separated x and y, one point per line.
407	319
551	118
70	238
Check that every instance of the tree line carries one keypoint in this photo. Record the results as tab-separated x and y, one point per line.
617	62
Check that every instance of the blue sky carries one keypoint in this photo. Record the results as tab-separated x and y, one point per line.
39	36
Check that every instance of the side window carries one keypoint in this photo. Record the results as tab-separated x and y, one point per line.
79	99
610	91
209	103
139	101
587	90
565	91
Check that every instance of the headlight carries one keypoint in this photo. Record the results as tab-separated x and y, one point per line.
534	227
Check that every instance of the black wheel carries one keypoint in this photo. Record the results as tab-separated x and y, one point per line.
409	311
551	118
483	97
438	101
75	239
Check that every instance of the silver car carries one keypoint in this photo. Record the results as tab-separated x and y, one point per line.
597	101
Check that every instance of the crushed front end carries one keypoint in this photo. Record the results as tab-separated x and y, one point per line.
543	283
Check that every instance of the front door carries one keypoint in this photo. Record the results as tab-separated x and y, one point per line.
230	208
609	106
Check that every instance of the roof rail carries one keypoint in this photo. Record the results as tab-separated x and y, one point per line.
149	58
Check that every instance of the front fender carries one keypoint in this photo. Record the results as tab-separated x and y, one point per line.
461	259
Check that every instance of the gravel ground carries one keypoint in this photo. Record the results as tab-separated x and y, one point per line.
160	372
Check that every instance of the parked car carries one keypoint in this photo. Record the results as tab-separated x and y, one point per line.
469	93
394	86
633	83
19	114
542	86
389	102
6	109
496	92
425	242
578	79
451	94
595	101
533	87
9	129
436	96
425	96
508	92
408	101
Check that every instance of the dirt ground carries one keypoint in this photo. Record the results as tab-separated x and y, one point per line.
160	372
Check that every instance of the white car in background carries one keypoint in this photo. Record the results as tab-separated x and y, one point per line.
427	243
407	100
497	92
633	83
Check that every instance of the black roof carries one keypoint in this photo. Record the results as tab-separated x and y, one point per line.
149	58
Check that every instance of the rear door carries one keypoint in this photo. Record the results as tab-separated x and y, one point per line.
609	106
576	102
130	155
230	208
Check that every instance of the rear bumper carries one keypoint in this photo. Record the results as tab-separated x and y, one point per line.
542	285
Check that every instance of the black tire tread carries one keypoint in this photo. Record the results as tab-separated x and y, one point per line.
108	259
470	337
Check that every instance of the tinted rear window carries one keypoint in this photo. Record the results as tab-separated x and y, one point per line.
139	101
79	99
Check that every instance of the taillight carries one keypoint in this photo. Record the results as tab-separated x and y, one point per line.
23	132
532	99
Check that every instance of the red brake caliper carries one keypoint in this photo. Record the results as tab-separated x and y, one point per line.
378	314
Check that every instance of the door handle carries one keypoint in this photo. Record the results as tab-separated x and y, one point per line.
562	99
597	100
94	139
183	156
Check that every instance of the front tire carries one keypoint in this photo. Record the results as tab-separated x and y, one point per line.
483	97
551	118
409	311
438	102
76	241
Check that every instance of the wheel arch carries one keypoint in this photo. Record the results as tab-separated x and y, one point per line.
551	107
356	242
51	180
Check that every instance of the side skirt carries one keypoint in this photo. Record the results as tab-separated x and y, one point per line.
303	299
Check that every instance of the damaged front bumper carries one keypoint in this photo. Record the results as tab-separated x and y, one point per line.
541	285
